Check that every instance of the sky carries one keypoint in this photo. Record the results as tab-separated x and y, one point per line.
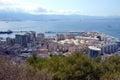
79	7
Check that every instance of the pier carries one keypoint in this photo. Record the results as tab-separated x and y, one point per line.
52	32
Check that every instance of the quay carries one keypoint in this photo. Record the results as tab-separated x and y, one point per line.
52	32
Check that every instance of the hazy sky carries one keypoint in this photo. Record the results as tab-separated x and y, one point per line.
82	7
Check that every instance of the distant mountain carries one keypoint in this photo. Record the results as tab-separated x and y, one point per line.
15	16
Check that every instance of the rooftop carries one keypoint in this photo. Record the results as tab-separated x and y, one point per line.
94	48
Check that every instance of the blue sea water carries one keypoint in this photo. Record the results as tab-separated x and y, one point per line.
110	27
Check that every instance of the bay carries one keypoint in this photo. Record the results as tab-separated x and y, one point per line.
109	27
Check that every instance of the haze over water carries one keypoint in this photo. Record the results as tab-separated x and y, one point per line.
110	27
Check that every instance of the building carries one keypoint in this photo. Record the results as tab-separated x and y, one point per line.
53	46
59	37
118	42
93	51
23	40
69	36
10	41
43	51
109	48
32	35
102	38
40	37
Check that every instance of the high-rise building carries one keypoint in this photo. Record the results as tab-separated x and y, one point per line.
109	48
32	35
93	51
23	40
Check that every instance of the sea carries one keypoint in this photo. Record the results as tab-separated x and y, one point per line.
107	26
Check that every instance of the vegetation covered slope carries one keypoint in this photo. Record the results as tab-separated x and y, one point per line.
74	67
78	67
11	71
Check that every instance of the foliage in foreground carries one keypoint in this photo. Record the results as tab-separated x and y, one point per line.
10	71
78	67
75	67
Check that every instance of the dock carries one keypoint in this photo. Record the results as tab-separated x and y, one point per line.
52	32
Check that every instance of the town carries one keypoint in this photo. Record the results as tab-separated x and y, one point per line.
92	43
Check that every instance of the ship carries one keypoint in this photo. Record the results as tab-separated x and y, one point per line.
6	32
